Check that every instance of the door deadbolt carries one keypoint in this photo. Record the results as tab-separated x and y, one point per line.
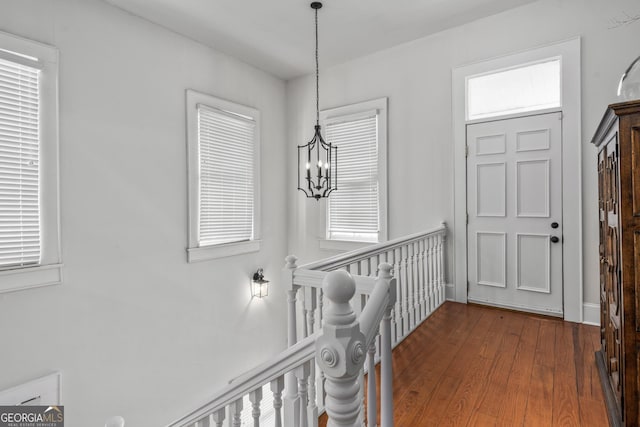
554	225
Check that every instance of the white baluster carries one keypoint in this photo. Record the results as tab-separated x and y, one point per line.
311	306
405	291
305	312
291	402
443	282
313	407
320	307
415	285
302	373
372	401
438	267
386	373
398	307
388	258
432	276
422	281
363	303
428	296
321	394
277	386
219	416
425	268
409	293
340	351
255	397
235	412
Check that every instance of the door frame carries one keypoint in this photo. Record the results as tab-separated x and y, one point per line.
569	52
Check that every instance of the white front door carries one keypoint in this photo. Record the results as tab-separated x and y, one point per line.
514	203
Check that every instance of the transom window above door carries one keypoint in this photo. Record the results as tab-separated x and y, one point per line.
525	88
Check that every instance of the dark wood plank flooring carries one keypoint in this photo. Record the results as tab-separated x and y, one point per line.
469	365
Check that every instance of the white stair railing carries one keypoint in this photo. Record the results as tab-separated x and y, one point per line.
228	402
418	263
364	318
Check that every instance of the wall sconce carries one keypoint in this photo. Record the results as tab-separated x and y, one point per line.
259	286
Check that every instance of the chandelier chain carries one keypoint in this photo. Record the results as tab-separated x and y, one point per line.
317	76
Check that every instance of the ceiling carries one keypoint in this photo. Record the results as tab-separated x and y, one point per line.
278	35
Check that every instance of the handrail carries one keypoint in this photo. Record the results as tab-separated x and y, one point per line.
383	296
314	278
262	374
341	260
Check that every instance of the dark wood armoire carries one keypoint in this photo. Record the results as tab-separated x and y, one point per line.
618	142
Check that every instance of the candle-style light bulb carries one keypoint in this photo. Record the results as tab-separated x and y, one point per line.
308	166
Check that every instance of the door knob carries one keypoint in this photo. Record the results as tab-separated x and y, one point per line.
555	239
554	225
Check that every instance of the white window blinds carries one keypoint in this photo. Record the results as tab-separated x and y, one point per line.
226	197
353	209
19	165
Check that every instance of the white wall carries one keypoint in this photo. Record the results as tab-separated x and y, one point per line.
417	79
134	329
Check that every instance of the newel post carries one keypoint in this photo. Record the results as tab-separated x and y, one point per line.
291	399
340	351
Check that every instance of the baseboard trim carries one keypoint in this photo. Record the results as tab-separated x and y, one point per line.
615	420
516	307
450	292
591	314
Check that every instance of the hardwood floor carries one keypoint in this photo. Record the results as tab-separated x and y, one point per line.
469	365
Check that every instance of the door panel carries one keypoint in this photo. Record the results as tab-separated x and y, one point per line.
514	195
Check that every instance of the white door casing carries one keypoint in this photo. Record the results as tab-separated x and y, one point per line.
514	195
569	52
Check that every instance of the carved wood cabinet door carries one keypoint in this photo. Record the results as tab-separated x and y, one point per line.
610	302
618	142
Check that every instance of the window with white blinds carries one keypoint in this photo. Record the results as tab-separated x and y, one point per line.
226	142
356	210
353	207
19	159
223	142
29	204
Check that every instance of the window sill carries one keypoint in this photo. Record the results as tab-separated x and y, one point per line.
221	251
30	277
342	245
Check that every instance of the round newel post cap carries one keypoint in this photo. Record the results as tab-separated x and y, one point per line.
385	270
339	286
291	261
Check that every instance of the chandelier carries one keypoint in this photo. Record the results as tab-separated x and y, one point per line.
317	159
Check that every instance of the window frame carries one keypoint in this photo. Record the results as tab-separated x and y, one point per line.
49	270
380	105
499	115
195	252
